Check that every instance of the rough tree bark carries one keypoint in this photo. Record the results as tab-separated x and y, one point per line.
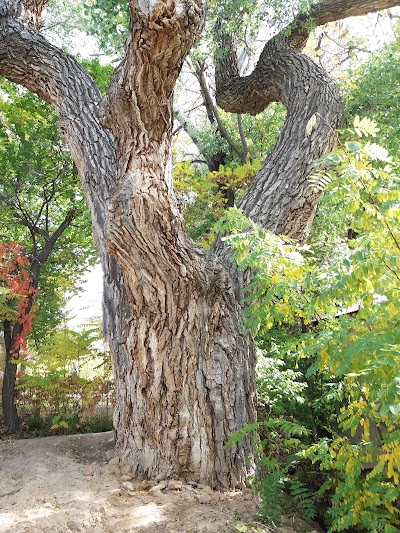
183	367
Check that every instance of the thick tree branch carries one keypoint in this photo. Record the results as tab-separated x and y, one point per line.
138	110
279	197
28	59
161	34
53	238
331	10
33	10
253	93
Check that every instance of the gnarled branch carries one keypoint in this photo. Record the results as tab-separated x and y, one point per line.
279	197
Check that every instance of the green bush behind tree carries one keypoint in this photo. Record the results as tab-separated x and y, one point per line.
346	314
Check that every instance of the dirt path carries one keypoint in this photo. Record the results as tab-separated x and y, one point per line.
66	484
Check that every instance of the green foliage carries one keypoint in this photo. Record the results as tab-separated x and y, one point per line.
366	94
347	310
106	20
61	392
302	498
66	348
37	425
274	295
62	385
7	309
100	73
206	194
281	489
279	389
39	186
272	491
245	18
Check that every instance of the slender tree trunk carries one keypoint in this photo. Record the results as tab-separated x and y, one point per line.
11	333
10	413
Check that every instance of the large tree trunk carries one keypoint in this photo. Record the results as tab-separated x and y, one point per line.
184	368
184	374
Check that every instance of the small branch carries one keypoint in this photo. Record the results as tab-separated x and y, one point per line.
188	127
177	130
25	215
33	228
42	257
396	275
348	48
245	151
373	203
23	219
205	93
209	103
392	234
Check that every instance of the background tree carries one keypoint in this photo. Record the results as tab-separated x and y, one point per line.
183	366
18	294
366	95
43	207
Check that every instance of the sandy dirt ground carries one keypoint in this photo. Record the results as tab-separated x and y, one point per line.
73	484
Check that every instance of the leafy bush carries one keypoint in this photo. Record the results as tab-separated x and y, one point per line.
280	488
59	403
347	310
35	425
60	392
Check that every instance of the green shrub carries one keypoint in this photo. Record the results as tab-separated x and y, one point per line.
346	312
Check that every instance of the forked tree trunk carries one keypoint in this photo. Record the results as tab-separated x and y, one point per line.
183	367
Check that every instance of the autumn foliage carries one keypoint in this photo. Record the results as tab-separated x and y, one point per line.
17	293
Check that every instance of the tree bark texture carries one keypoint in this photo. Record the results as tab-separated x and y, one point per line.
280	198
189	374
183	367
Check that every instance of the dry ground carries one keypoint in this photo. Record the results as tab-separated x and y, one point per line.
66	484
